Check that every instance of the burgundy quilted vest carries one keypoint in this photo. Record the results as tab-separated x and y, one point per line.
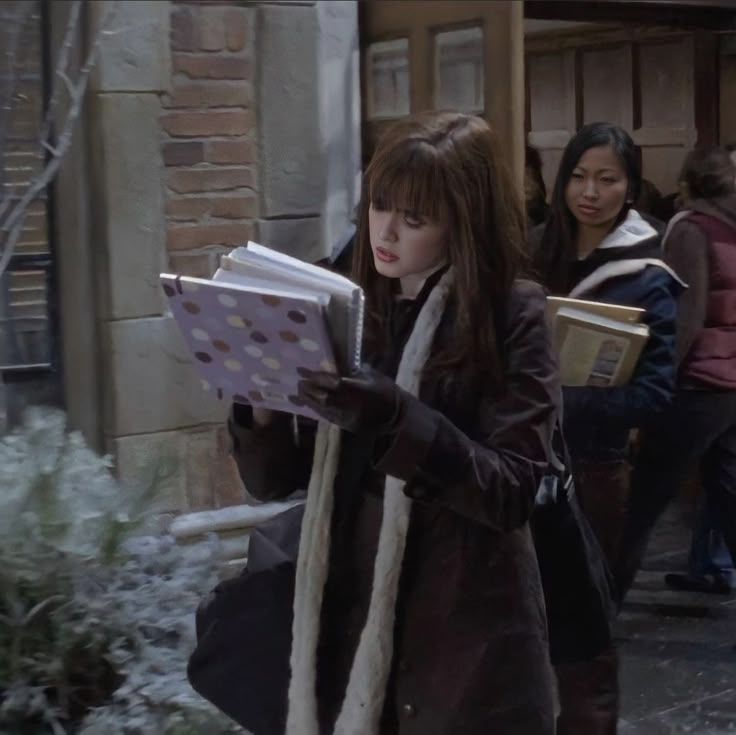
712	358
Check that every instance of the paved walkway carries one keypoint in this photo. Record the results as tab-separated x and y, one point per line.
678	671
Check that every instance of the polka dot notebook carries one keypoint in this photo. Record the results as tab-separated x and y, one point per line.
252	346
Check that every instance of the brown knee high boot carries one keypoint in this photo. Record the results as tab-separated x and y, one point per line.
603	491
588	693
588	690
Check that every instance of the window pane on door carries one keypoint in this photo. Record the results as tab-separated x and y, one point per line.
387	77
458	83
24	323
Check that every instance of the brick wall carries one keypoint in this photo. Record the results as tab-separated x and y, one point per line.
208	125
208	149
218	193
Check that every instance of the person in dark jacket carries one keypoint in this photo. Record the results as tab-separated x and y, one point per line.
700	426
596	247
432	618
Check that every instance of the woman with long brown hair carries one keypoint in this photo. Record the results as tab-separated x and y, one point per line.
418	606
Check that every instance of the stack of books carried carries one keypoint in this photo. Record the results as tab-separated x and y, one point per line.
263	322
598	344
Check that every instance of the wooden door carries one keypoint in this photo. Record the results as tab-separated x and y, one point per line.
642	80
424	55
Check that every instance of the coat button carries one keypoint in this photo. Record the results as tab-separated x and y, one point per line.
409	710
417	492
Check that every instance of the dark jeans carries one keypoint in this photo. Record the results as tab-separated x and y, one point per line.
709	554
699	427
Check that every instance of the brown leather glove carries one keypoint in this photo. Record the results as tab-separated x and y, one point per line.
368	401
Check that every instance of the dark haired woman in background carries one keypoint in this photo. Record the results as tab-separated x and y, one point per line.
596	247
535	191
700	426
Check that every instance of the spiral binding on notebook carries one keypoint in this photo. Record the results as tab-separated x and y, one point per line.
358	331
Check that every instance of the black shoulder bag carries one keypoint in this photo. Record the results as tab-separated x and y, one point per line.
241	662
578	585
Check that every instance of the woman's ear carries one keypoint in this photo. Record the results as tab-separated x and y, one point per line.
630	198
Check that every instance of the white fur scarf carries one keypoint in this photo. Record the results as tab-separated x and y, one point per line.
366	688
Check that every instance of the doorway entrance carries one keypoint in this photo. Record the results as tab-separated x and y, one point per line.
429	55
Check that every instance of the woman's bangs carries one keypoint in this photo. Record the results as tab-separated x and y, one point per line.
409	183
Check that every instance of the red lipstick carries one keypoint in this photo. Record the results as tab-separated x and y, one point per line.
386	256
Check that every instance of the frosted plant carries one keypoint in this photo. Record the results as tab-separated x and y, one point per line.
96	622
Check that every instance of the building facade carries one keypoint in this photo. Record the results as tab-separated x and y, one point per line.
207	124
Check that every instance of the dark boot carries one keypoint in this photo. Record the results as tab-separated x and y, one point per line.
715	584
588	693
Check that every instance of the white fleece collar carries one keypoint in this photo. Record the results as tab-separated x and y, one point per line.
633	230
617	268
365	692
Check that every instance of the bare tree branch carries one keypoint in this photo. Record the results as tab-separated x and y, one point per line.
62	64
12	225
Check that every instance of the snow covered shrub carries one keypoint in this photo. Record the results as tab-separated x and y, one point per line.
96	617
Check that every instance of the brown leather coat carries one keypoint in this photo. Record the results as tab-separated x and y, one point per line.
471	655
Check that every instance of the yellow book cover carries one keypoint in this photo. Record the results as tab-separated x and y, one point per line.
631	314
597	350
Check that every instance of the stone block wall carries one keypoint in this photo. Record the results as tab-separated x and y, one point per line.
210	123
209	134
308	101
163	431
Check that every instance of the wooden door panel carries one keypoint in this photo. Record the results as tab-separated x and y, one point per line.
662	164
728	91
420	66
642	81
607	90
666	129
552	90
552	110
665	136
551	158
666	82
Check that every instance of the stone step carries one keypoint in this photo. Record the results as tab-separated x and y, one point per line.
235	518
233	545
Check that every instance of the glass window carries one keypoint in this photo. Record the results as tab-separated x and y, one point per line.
458	83
24	322
387	65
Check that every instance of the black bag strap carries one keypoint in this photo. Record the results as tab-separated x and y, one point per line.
558	481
